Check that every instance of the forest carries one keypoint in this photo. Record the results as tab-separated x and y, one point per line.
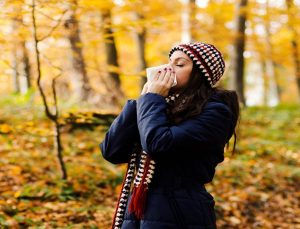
68	67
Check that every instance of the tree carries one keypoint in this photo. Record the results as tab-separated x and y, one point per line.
141	35
21	65
188	21
14	60
239	47
270	65
55	115
111	55
291	9
79	78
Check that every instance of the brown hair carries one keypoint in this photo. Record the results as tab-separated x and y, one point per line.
196	94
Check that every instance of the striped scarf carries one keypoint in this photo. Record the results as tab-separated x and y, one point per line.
141	181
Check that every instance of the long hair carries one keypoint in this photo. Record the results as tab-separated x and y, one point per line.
196	94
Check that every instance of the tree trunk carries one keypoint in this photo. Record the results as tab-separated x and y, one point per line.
274	85
265	82
294	42
21	63
59	150
80	79
25	65
263	64
188	21
277	82
213	24
54	117
141	38
15	75
14	55
111	55
192	18
239	47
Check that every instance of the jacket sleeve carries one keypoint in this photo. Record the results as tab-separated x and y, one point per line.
160	138
122	135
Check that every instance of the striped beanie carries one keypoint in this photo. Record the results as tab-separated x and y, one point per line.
206	57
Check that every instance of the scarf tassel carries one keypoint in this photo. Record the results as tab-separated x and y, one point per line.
138	201
139	193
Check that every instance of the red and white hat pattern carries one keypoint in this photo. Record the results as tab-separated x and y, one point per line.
207	57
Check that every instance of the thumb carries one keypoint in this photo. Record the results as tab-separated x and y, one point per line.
145	88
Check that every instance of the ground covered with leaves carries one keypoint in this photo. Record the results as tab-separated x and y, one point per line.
258	187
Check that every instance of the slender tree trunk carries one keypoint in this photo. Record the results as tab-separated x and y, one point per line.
59	149
110	47
52	116
141	39
297	64
277	81
15	52
186	30
21	60
80	79
25	65
274	85
263	64
239	47
213	24
192	18
294	42
188	18
111	55
23	57
266	82
15	72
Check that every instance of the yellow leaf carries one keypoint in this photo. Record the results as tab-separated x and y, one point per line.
234	220
5	129
17	193
16	170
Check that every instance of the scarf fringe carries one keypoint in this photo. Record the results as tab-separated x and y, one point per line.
139	195
140	190
124	194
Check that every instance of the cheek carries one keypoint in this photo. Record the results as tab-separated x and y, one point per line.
182	80
182	76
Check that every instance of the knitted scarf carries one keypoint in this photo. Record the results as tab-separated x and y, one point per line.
141	181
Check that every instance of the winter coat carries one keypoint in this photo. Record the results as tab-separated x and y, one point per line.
186	155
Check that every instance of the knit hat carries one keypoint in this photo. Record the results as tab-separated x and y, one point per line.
206	57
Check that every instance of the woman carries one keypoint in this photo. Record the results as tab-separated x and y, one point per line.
174	137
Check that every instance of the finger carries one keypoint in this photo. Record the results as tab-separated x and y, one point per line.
171	79
167	76
163	74
145	88
157	76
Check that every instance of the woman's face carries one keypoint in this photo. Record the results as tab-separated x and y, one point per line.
182	65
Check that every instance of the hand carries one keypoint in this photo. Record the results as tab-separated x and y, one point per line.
161	83
145	88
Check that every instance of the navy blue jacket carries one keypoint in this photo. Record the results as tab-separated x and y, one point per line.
186	155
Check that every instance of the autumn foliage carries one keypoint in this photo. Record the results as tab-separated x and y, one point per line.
97	52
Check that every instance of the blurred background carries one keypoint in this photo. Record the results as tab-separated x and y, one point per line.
67	68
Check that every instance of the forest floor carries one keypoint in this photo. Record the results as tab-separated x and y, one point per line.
258	187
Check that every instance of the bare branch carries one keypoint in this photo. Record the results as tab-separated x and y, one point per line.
51	116
36	41
51	64
54	27
54	93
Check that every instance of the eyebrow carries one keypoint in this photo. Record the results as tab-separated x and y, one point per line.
180	58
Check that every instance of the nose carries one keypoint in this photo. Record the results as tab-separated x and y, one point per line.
171	65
